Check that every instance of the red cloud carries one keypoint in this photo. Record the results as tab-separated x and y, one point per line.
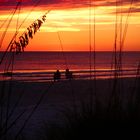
64	3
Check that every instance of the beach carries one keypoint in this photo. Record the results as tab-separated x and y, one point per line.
30	99
69	69
48	100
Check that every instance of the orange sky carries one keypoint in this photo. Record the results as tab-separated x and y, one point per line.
71	23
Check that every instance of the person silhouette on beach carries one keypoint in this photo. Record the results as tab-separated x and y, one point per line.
68	74
57	75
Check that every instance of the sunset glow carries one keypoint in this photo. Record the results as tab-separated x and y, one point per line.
71	21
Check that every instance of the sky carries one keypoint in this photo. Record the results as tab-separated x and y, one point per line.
73	25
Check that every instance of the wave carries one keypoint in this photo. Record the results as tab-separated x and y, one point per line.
43	75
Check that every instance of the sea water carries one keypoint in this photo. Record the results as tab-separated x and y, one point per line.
42	65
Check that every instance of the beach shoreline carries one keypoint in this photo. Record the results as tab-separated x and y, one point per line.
48	76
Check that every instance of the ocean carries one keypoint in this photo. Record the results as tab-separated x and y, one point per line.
40	66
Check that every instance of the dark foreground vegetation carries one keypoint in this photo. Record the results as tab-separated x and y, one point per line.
87	119
97	122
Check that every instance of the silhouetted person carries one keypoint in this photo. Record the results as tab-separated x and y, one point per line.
57	75
68	74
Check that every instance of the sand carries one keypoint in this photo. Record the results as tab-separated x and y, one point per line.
57	97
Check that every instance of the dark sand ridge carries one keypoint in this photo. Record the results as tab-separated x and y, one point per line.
60	96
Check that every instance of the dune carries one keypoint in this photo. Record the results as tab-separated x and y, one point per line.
55	97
